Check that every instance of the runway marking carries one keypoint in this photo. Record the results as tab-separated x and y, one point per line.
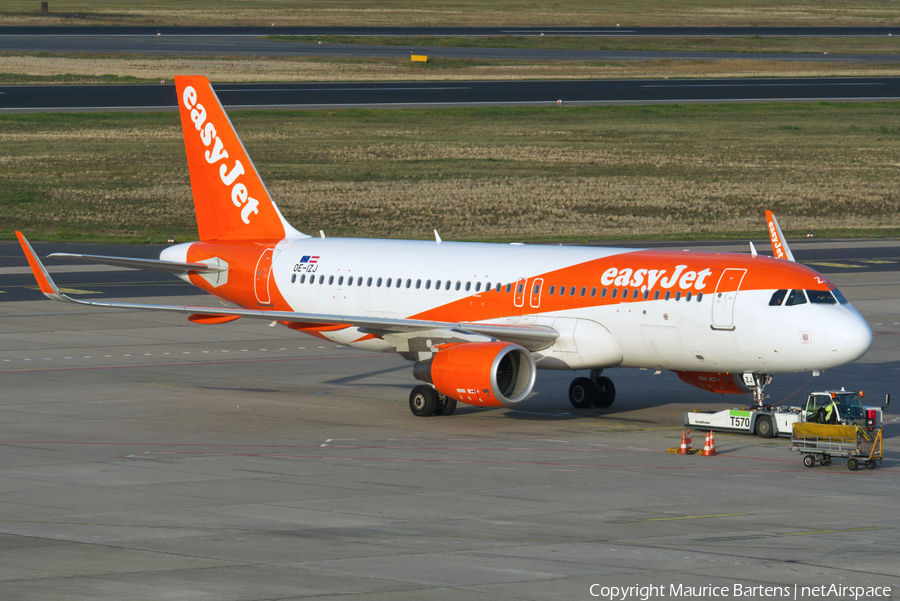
754	85
327	440
695	517
301	90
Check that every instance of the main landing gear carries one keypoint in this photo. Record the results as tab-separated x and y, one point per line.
425	401
596	391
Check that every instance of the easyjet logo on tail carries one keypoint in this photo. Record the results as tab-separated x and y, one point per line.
777	246
228	174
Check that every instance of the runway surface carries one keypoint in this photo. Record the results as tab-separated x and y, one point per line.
53	98
601	31
832	258
144	457
243	45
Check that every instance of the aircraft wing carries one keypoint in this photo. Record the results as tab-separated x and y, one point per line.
532	337
146	264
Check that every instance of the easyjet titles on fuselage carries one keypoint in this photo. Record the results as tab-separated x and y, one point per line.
635	278
239	194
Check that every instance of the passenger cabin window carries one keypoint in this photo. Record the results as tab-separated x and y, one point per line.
603	293
593	292
293	278
777	298
552	289
624	293
687	297
408	282
536	288
562	290
447	285
487	287
359	281
699	296
303	278
468	286
583	291
634	294
458	284
572	291
437	285
418	284
498	287
378	283
508	288
477	286
668	295
646	293
820	297
368	282
656	295
796	297
678	295
349	281
341	281
615	292
428	285
519	289
330	280
389	280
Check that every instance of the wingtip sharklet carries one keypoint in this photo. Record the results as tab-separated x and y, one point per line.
44	281
779	245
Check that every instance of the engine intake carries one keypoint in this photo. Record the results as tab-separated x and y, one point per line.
486	374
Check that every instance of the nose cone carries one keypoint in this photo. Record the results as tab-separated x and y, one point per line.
849	337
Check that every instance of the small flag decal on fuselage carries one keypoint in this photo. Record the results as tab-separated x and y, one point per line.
309	259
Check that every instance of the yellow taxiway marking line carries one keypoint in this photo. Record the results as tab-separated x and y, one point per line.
695	517
836	531
830	264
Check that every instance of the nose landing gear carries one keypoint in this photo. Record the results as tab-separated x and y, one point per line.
757	384
596	391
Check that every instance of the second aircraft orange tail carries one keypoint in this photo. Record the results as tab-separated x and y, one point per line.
230	199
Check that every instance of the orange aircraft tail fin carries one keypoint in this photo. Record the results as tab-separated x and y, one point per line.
230	198
779	244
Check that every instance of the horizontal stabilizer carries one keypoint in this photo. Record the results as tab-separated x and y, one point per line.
145	264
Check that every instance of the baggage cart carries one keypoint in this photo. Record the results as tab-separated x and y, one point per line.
823	442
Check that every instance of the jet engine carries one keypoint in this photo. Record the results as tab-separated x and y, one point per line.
712	382
485	374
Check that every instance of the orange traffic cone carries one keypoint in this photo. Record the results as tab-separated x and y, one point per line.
686	445
710	448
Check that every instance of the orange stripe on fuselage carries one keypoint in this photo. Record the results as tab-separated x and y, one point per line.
646	269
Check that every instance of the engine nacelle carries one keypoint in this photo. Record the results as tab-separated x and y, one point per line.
485	374
712	382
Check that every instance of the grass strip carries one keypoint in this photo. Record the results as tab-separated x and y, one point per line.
44	68
551	174
456	12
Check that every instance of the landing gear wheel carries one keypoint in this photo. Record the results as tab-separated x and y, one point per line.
809	460
423	401
446	406
852	464
582	393
764	427
870	464
606	393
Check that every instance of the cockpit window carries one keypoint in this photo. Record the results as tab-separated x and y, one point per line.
820	297
777	298
840	297
796	297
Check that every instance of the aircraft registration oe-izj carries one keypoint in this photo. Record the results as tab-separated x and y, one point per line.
480	319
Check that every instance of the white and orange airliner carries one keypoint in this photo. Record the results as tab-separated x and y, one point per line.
479	320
